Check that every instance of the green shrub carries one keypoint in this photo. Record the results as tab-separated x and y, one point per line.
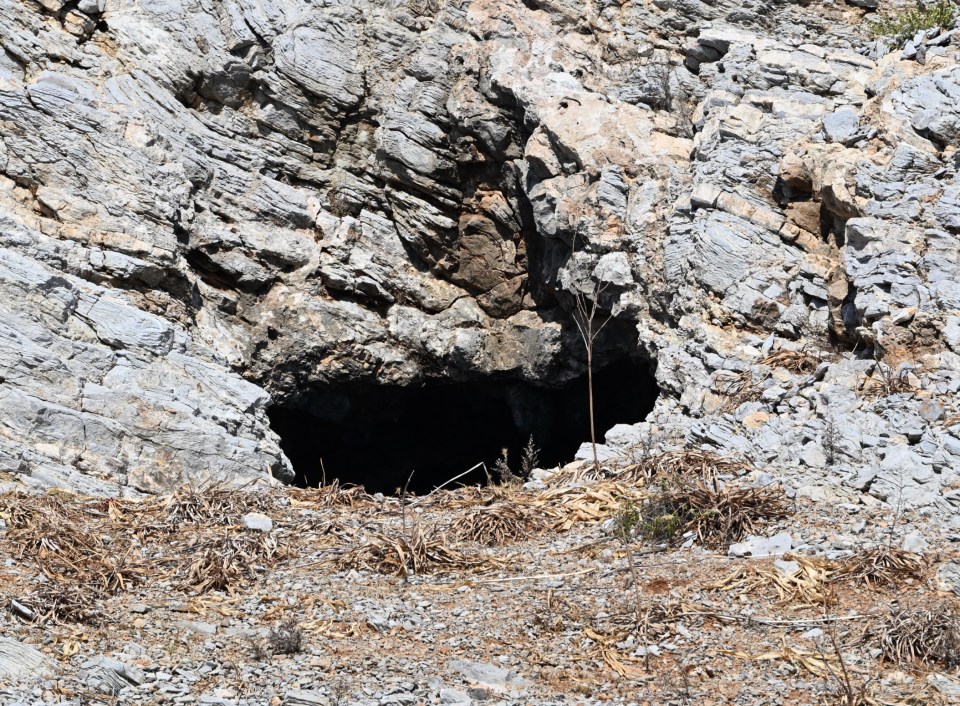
625	522
664	515
906	23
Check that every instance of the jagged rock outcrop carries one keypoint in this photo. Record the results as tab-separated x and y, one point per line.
205	204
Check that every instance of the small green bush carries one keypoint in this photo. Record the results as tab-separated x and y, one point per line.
904	24
625	522
716	515
665	515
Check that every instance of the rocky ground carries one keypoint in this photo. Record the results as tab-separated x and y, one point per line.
208	208
578	588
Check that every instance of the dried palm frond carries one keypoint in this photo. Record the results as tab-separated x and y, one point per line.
53	536
558	612
854	688
466	496
739	390
414	553
66	602
721	515
690	462
686	463
333	494
814	578
605	650
590	504
21	510
653	621
216	503
74	545
578	473
929	636
496	524
797	362
880	566
324	531
224	562
808	584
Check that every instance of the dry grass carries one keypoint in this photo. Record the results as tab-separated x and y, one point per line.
884	381
496	524
881	566
918	637
225	562
416	553
81	560
286	638
720	515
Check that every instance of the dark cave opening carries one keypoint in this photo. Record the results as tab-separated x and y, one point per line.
375	436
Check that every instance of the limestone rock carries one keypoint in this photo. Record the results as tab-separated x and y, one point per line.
19	662
760	547
206	209
257	521
490	676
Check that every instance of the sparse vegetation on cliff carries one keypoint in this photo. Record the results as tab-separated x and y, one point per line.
902	25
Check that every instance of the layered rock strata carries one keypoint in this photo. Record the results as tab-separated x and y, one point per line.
204	205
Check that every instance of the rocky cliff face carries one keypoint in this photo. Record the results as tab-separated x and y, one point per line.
203	204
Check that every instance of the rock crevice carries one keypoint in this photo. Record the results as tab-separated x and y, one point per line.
206	207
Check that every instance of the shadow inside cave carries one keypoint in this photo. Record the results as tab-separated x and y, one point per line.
375	436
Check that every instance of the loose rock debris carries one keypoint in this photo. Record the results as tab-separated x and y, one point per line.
368	599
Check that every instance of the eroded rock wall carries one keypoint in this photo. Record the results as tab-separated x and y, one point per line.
208	203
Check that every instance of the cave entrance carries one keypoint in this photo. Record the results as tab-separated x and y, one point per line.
375	436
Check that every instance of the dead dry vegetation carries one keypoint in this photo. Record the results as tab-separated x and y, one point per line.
588	570
748	385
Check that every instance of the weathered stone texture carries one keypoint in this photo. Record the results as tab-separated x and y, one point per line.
205	204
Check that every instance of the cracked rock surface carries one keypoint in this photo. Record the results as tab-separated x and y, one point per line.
204	205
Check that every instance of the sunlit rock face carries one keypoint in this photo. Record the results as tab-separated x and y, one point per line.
209	208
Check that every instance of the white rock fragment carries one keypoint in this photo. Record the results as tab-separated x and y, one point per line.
19	661
257	521
757	547
490	676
